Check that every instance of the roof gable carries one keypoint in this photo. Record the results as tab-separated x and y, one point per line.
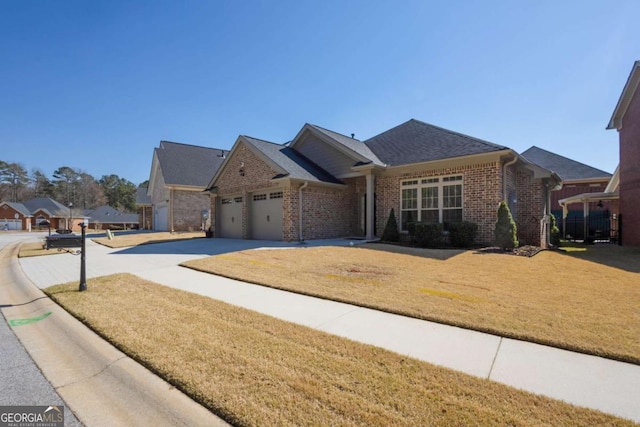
142	197
187	165
18	207
416	142
566	168
626	96
294	164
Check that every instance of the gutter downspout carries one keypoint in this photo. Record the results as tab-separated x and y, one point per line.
302	187
504	178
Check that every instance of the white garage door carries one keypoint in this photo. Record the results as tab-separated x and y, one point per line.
230	226
266	215
162	219
10	224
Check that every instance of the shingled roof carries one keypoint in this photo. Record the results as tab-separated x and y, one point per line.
50	206
292	162
415	142
188	165
566	168
108	215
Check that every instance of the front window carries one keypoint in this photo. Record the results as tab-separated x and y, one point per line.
438	199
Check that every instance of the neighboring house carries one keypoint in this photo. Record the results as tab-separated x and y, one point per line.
577	179
145	208
106	217
179	175
626	120
29	214
325	185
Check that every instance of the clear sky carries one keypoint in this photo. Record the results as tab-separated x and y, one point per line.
95	85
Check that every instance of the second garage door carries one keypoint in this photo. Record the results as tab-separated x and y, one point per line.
230	226
266	215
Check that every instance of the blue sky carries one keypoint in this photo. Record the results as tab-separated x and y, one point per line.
95	85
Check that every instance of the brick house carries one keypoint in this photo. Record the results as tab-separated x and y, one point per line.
106	217
179	176
626	120
325	185
29	214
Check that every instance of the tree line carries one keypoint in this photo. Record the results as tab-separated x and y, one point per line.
68	186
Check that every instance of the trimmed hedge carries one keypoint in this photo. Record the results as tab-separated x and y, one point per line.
428	235
463	234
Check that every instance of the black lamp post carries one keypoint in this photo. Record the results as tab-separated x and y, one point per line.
83	269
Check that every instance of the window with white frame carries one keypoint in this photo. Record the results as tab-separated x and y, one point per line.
431	200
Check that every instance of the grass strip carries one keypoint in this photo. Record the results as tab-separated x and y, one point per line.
583	305
254	370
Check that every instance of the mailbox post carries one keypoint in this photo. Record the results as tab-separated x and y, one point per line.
83	269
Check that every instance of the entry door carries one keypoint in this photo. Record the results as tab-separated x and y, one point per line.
162	219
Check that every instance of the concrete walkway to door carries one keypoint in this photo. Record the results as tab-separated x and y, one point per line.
583	380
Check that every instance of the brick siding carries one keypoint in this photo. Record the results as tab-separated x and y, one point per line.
630	173
187	209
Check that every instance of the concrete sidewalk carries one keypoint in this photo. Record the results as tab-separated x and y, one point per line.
583	380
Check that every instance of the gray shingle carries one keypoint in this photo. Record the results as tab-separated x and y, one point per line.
189	165
107	214
52	207
19	207
415	142
293	163
141	196
566	168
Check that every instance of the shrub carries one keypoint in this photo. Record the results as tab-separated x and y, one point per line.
555	231
391	233
411	228
428	235
506	232
463	234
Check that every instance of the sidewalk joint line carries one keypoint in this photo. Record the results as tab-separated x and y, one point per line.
336	318
493	362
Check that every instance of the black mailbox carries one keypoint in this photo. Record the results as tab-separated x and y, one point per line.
64	241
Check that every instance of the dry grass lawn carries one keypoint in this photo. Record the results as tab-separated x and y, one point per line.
252	369
135	239
551	298
35	249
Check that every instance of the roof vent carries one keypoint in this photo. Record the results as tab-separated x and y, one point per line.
221	154
352	135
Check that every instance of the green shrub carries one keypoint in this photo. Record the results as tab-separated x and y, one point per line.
428	235
506	232
391	233
463	234
411	229
555	231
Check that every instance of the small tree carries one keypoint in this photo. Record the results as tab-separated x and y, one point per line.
391	233
505	233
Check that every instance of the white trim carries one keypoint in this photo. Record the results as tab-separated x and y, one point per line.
440	184
630	87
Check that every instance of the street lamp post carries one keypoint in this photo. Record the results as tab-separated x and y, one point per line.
83	269
69	225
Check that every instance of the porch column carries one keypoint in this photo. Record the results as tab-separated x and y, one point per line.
370	204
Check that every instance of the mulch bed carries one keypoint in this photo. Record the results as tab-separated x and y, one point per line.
526	250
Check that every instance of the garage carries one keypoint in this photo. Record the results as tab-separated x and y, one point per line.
266	215
162	219
11	224
230	221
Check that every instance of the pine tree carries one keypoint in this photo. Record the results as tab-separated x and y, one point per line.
505	233
391	233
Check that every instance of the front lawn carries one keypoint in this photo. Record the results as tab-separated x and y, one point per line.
254	370
135	239
36	249
552	298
